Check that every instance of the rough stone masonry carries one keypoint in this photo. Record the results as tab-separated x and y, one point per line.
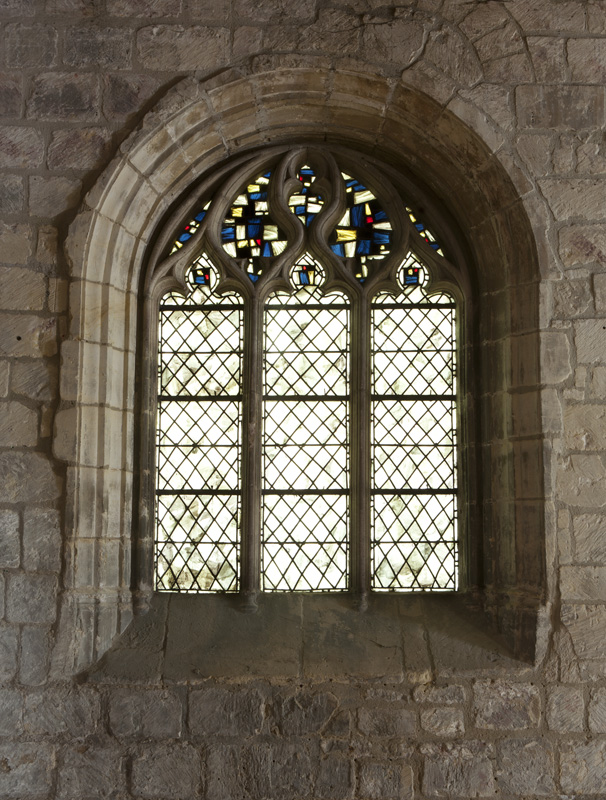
300	703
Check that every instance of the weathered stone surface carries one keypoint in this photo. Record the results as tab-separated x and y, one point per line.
586	625
575	197
168	47
452	55
100	47
36	380
10	95
581	481
336	30
12	194
31	597
20	147
583	584
18	425
385	781
225	713
585	427
264	11
9	644
547	16
11	712
387	721
334	780
590	338
64	97
582	766
587	60
400	40
581	244
91	772
41	540
597	711
453	694
304	713
27	477
144	8
501	705
443	721
80	148
125	94
555	357
26	769
167	771
31	45
154	714
565	709
10	541
463	770
52	196
22	289
15	243
526	767
572	298
589	537
35	654
559	107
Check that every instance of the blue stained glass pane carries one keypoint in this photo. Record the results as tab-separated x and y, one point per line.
363	247
304	278
199	217
258	195
266	249
267	175
254	229
309	219
184	237
359	187
435	245
358	216
254	278
380	238
299	209
351	182
419	226
228	234
338	249
380	216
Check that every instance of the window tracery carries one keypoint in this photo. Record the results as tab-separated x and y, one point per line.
307	413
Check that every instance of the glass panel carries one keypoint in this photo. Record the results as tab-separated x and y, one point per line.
305	438
199	437
414	471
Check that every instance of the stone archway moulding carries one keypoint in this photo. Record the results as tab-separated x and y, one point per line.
195	128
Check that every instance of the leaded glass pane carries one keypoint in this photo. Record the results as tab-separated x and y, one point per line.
305	439
199	437
413	437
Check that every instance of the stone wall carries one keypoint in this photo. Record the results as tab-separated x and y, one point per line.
422	706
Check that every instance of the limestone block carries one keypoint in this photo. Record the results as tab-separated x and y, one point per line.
15	243
27	478
35	654
4	377
571	298
526	767
144	8
385	781
104	48
586	625
41	540
152	714
18	425
387	721
51	196
46	249
548	58
90	772
22	289
79	148
587	60
9	644
11	712
27	335
565	709
221	712
501	705
127	93
449	52
10	95
581	481
31	598
31	45
463	770
270	10
26	769
12	194
9	539
20	148
581	244
589	532
582	767
334	779
36	380
72	711
398	41
64	97
453	694
555	357
545	15
590	340
482	19
597	711
446	722
575	197
577	107
247	40
585	427
599	288
334	31
174	47
167	771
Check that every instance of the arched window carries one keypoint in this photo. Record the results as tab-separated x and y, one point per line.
306	400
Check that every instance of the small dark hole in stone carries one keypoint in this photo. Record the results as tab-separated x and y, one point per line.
18	338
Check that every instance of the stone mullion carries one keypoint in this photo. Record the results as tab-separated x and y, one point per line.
252	400
360	450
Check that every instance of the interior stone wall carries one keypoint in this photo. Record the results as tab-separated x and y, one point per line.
404	704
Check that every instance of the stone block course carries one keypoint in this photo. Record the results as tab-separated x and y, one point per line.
64	97
167	771
565	709
26	769
385	781
98	47
220	712
500	705
93	772
31	45
151	715
31	598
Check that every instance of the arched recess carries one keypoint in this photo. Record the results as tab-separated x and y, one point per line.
196	128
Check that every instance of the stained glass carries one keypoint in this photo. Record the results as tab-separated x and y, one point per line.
189	229
248	231
305	439
424	232
199	438
413	437
305	203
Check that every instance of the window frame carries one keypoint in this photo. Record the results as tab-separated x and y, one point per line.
168	272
